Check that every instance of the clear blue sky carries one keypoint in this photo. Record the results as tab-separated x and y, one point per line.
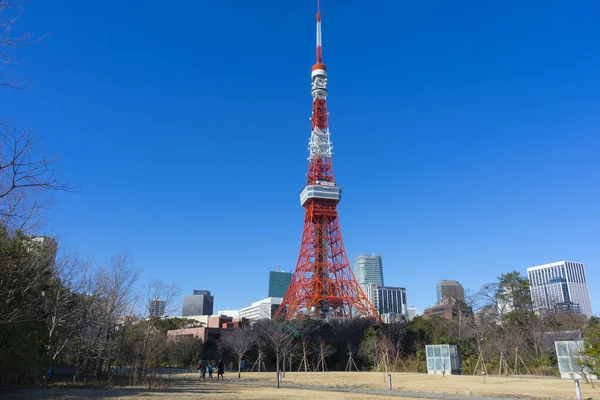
465	134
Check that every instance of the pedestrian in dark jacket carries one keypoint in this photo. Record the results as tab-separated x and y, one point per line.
220	370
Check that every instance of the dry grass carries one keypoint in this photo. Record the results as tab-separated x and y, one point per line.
450	384
186	390
526	387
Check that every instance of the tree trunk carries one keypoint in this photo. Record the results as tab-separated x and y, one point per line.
277	368
239	367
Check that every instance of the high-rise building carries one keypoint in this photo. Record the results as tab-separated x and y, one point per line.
370	290
448	289
279	282
201	303
368	269
156	308
560	286
391	300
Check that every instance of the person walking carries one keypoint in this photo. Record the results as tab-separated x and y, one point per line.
210	370
220	369
202	368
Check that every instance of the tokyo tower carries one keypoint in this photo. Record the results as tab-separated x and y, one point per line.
323	285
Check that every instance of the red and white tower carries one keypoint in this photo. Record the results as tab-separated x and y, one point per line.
323	285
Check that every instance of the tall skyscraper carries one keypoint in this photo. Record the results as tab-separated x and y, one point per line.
201	303
368	269
156	308
392	300
560	286
448	289
279	283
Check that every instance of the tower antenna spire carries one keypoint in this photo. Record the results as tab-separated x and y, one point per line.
319	43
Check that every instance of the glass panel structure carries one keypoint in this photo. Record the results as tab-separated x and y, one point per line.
569	357
443	359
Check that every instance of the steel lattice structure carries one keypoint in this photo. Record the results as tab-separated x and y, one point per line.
323	284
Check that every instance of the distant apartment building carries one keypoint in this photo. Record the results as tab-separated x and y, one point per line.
200	303
561	287
449	308
262	309
370	290
156	308
391	300
368	269
449	289
279	282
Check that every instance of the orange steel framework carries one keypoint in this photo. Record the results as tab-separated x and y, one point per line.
323	285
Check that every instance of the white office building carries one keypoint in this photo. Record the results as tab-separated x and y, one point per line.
262	309
368	269
559	286
412	313
370	290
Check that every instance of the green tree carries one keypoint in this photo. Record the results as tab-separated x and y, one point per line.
513	293
592	346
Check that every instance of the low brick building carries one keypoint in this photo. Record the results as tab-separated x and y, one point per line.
216	325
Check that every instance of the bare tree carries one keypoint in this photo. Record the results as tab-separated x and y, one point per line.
325	350
153	341
66	305
278	333
25	178
108	303
10	13
240	341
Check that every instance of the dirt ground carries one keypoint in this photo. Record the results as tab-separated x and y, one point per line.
186	390
451	384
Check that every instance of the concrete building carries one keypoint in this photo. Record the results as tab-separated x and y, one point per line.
200	303
156	308
412	313
560	286
279	282
262	309
370	290
215	325
391	300
449	308
447	289
47	247
368	269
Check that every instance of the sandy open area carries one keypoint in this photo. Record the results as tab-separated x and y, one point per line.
455	384
186	390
